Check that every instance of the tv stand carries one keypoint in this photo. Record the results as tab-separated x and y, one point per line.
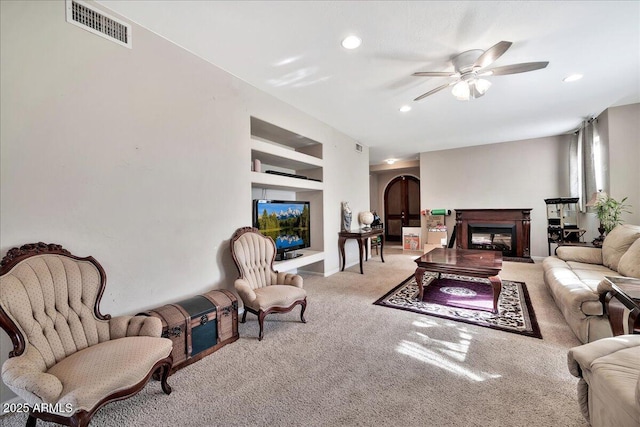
288	255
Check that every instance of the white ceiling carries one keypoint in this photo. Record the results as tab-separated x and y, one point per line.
292	51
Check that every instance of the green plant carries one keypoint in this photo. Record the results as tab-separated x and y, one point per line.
609	212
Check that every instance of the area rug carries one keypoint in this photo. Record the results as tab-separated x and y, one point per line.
468	300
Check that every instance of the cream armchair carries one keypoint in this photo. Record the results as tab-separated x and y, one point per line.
68	360
609	380
262	289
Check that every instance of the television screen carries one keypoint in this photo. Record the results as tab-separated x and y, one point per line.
286	222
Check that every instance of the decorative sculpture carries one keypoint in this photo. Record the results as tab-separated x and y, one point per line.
346	217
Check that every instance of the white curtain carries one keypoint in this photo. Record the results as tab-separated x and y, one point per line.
588	163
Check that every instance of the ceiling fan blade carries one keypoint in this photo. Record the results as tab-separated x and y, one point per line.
515	68
491	54
434	73
438	89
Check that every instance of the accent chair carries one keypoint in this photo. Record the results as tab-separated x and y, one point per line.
68	359
262	289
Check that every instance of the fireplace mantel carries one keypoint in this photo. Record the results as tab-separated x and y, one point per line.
508	218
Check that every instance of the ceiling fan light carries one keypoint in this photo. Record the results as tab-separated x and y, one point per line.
572	78
461	91
482	85
351	42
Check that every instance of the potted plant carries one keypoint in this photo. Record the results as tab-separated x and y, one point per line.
609	213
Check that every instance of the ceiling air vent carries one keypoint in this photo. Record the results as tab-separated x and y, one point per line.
97	22
358	148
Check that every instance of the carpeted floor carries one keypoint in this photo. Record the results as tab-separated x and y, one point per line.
357	364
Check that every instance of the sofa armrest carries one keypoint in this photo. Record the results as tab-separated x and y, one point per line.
584	355
289	279
25	375
580	254
133	326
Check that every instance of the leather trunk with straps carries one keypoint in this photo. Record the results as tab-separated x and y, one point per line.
199	325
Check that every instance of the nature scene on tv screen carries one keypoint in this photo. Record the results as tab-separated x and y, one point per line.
286	223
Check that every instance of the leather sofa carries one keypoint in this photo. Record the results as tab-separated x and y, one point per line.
573	275
609	386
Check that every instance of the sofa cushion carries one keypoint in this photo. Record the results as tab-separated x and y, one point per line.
617	243
591	274
580	254
277	296
629	264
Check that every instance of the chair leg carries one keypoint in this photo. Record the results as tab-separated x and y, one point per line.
31	421
244	316
261	316
304	307
166	371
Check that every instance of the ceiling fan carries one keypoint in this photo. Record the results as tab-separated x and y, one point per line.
470	66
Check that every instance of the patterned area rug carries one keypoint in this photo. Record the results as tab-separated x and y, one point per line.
469	300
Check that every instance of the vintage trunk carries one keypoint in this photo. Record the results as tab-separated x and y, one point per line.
199	325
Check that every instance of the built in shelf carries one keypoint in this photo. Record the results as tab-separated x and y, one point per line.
284	151
292	141
308	257
278	182
277	155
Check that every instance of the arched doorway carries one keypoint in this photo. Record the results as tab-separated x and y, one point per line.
401	206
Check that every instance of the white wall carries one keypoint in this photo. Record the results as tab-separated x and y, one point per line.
138	157
624	157
519	174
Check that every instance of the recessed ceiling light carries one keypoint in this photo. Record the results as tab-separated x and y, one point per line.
405	108
351	42
390	161
572	78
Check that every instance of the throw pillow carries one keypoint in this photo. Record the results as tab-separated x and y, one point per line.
617	242
629	264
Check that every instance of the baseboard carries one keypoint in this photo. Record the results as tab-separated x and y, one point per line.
331	272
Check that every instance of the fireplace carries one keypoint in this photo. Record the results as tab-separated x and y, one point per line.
505	230
493	237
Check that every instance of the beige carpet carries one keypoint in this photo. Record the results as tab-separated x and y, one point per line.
355	363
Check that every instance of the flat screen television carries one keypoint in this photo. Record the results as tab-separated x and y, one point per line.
286	222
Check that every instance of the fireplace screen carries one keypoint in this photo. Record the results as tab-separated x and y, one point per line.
492	237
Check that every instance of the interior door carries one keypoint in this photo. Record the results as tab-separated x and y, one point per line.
401	206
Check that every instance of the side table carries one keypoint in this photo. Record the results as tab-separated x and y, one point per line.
361	236
621	299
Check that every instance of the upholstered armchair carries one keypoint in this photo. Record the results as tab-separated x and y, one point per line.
68	359
262	289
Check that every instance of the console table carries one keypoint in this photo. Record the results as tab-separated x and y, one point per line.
361	236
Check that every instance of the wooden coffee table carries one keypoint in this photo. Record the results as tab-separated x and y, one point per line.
465	262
